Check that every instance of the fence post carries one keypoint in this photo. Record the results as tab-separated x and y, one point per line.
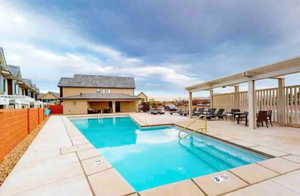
28	121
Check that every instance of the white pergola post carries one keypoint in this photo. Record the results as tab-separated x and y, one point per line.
190	104
281	102
251	104
211	92
237	97
114	106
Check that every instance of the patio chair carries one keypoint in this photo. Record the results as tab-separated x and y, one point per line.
270	117
218	114
262	117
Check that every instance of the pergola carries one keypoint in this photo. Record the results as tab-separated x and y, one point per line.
274	71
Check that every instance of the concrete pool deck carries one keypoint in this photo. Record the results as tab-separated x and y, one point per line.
60	161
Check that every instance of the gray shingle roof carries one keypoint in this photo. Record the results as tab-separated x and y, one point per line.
14	70
2	58
105	96
28	82
97	81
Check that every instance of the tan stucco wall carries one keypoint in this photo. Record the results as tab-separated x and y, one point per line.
70	91
75	106
127	106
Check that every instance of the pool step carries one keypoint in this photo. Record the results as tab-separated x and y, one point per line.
216	156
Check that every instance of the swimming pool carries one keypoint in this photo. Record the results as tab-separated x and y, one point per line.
154	156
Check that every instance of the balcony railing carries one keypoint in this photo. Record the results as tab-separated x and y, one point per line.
18	100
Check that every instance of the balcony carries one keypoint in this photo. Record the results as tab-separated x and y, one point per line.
19	100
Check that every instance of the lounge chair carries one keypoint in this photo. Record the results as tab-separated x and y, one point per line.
160	111
209	112
198	112
183	112
154	111
218	114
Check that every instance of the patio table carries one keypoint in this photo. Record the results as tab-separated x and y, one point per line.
239	115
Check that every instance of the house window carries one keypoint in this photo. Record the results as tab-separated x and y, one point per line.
1	84
103	91
4	85
16	88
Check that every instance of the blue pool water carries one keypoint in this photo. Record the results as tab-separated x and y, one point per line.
149	157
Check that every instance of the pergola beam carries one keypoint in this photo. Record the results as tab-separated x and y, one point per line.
270	71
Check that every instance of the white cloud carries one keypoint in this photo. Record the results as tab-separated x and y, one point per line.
20	31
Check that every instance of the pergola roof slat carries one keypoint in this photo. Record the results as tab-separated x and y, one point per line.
269	71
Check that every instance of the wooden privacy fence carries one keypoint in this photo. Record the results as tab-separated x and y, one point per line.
266	99
15	125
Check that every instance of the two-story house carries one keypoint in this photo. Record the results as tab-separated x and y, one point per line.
15	92
83	94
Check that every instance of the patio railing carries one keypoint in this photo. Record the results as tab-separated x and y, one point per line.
266	99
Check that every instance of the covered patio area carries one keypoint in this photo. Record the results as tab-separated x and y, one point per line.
96	103
281	98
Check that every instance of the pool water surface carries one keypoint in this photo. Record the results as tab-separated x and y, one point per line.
154	156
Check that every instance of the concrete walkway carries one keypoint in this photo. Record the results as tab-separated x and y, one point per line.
60	161
43	170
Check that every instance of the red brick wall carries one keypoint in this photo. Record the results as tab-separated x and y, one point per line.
15	125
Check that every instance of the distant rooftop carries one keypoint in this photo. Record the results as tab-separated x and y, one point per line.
97	81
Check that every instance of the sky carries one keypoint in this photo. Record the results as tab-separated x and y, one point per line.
165	44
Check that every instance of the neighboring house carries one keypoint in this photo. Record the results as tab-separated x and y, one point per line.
14	80
143	97
29	89
15	92
3	74
49	97
83	94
